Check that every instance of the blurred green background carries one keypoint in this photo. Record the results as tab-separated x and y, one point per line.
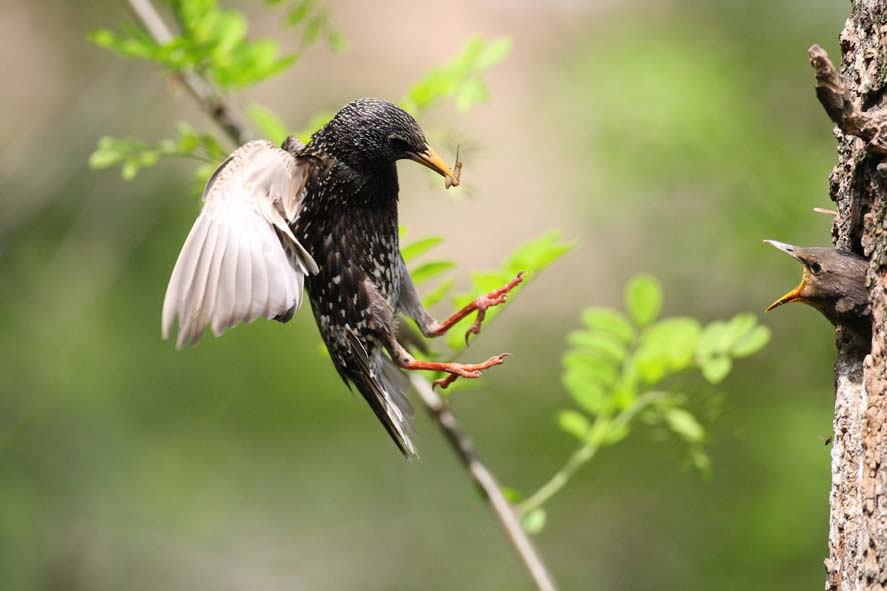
665	136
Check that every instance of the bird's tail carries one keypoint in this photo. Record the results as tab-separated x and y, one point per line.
384	387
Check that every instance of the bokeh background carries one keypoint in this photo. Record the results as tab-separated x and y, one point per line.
664	136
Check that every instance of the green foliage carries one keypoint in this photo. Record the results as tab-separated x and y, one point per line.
315	19
618	367
530	258
461	79
133	155
212	43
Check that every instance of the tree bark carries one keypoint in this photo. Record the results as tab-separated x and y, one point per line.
854	100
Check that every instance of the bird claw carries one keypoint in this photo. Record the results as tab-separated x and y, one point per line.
468	370
484	302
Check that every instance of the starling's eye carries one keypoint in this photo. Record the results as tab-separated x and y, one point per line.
398	144
816	268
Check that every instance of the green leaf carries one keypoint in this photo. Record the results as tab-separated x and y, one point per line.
538	254
574	423
534	521
700	460
586	391
337	41
271	126
609	321
600	370
494	52
429	270
461	79
438	293
715	340
752	342
667	347
643	299
716	368
416	249
684	424
601	343
512	495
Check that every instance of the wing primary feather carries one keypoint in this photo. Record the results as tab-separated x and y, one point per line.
182	275
226	297
188	329
241	259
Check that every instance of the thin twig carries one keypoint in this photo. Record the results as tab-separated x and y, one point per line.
485	481
587	451
210	100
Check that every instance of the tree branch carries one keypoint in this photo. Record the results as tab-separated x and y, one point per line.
486	483
210	100
870	126
854	100
204	92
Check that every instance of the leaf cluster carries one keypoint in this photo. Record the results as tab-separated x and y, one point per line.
625	365
132	154
212	42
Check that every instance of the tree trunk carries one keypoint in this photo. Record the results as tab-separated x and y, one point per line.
858	522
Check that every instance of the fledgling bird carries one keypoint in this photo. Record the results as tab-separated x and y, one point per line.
323	215
833	282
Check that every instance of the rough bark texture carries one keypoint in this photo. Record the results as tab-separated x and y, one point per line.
858	524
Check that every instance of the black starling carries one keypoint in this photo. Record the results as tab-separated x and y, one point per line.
833	282
324	214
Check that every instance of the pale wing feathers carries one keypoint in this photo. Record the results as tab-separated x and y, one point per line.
241	260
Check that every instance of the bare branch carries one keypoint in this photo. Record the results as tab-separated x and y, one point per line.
870	126
485	481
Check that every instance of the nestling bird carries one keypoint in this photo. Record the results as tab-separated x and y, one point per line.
323	215
833	282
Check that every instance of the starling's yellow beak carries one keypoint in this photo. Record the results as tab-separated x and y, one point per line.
795	294
432	160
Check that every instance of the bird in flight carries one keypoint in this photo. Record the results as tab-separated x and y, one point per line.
322	216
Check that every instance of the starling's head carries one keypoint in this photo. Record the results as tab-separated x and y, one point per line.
368	132
833	282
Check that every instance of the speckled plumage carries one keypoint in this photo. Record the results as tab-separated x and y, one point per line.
325	214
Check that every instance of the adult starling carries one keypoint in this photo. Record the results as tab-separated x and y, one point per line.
323	214
833	282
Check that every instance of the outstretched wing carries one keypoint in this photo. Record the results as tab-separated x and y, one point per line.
241	260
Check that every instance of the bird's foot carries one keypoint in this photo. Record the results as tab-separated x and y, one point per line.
466	370
479	305
484	302
454	370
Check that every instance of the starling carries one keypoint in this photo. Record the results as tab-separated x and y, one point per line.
833	282
322	215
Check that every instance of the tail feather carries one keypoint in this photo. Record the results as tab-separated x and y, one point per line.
385	395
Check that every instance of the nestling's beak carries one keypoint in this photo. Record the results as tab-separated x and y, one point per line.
432	160
795	294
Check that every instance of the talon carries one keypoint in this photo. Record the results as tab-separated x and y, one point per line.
445	381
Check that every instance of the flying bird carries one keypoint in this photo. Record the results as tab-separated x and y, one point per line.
322	216
833	282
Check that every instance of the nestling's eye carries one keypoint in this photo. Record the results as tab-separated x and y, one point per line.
816	268
398	144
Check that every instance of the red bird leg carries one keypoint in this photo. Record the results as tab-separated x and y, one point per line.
456	370
479	305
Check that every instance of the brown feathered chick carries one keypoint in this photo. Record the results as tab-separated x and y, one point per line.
833	282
